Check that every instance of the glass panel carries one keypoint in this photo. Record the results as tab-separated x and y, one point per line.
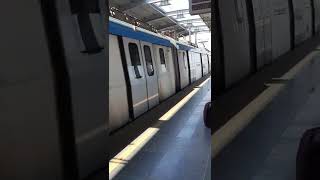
162	59
135	58
148	57
185	60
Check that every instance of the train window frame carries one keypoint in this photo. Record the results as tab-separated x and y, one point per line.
135	62
162	58
150	73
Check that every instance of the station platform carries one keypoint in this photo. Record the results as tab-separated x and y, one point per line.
260	137
267	148
174	144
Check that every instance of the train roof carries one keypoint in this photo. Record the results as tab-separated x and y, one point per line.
121	28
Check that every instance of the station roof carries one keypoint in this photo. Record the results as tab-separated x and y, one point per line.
164	15
148	13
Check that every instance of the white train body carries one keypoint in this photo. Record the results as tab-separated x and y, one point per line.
147	68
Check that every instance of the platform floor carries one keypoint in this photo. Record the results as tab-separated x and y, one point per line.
181	149
267	148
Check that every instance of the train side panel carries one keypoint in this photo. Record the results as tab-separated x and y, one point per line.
118	99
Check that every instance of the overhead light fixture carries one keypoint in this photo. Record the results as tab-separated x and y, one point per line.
180	14
164	3
189	25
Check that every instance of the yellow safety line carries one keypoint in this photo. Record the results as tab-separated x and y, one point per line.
122	158
168	115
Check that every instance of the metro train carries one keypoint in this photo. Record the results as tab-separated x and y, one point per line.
147	68
256	33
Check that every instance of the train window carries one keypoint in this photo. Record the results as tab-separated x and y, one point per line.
135	58
148	57
162	59
185	60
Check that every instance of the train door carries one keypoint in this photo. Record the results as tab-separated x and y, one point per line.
137	77
267	28
281	34
308	18
262	13
198	64
235	31
192	67
298	11
171	67
302	20
166	81
258	18
150	74
183	67
82	25
118	95
205	64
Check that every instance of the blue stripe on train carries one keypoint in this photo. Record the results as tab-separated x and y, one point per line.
118	29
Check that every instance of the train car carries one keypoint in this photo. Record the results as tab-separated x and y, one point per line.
143	72
265	29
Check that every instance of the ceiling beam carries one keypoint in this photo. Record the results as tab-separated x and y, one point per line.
127	6
156	19
191	20
164	14
182	11
169	27
166	26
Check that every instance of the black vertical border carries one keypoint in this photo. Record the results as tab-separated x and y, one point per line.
217	52
313	9
189	69
105	12
62	90
175	58
252	36
202	74
292	24
126	76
